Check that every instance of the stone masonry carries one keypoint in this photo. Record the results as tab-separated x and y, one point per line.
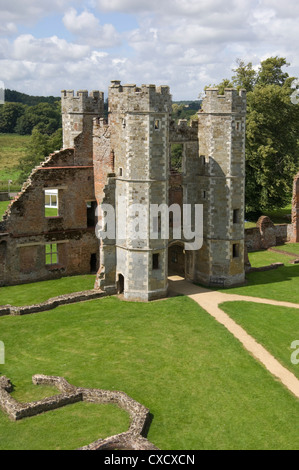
123	162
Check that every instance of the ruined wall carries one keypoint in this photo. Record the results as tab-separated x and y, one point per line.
27	232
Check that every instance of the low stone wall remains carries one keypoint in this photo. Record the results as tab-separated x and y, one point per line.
266	235
132	439
52	303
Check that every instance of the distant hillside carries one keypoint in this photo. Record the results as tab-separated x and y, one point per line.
13	96
185	109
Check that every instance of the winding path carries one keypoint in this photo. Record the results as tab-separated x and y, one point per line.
210	300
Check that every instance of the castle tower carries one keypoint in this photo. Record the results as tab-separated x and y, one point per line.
78	113
139	126
222	181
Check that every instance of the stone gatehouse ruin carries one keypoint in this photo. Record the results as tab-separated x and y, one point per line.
130	157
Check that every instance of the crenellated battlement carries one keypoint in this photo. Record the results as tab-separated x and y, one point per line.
231	102
82	102
147	98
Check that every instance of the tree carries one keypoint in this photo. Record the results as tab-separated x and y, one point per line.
270	72
9	114
272	134
44	115
272	149
245	76
39	147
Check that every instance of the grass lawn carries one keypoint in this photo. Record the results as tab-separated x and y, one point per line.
204	390
51	212
29	294
12	149
279	284
274	327
290	248
3	207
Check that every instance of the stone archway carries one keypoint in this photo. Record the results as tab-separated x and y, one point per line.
176	259
120	284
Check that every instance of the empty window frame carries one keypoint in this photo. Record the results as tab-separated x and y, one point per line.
236	216
91	209
176	157
51	203
156	260
51	254
157	124
236	250
238	126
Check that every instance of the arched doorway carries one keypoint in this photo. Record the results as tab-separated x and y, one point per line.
120	284
176	259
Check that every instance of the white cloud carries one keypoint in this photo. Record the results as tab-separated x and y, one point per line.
87	28
186	44
27	47
28	11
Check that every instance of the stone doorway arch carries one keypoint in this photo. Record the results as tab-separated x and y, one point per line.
176	259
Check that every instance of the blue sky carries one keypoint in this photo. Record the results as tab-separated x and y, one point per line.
50	45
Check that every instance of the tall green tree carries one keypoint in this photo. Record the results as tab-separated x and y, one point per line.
9	115
46	116
39	147
245	76
272	133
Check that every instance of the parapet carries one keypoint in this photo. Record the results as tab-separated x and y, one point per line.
233	101
82	103
147	98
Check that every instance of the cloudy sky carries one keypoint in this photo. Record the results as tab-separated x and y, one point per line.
50	45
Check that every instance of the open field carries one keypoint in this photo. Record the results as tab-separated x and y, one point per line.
3	207
12	149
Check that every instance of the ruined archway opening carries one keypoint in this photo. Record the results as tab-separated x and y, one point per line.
120	284
176	260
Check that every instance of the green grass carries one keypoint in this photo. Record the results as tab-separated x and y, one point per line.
274	327
29	294
12	149
3	207
264	258
289	247
204	390
51	212
279	284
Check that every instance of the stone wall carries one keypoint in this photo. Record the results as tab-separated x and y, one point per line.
266	234
139	414
26	233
